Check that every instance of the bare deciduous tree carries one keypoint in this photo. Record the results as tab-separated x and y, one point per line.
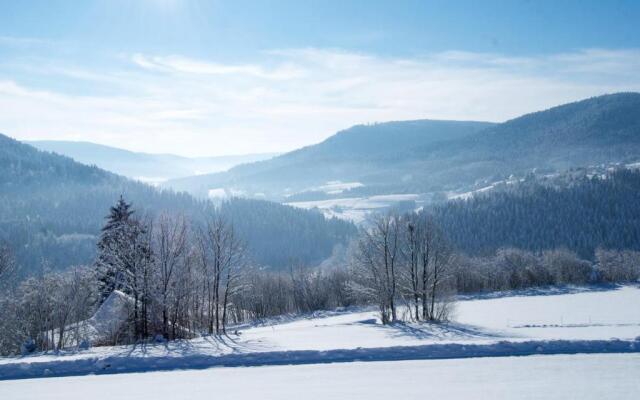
170	251
428	259
221	257
375	263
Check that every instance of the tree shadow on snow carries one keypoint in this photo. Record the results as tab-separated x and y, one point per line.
437	331
210	344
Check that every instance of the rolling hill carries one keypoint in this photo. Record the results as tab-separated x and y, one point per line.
372	155
597	130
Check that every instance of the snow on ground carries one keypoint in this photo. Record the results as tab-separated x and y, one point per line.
224	193
468	195
355	209
337	187
585	377
581	321
633	165
586	315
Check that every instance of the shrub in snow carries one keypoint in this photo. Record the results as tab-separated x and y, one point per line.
159	338
28	347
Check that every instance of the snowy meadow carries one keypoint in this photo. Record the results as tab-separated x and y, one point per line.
567	321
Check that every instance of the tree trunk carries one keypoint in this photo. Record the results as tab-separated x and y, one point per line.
424	289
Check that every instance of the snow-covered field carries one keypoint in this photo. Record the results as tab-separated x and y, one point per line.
337	187
585	377
578	321
355	209
585	315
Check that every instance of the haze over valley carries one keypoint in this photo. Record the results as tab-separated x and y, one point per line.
145	167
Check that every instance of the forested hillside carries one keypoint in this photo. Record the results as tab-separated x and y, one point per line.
52	209
282	235
440	156
580	214
592	131
376	155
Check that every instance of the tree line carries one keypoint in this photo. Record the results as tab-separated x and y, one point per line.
180	278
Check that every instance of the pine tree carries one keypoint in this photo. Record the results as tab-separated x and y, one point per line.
118	214
111	246
125	262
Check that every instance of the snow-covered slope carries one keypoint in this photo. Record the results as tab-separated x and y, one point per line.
565	322
108	319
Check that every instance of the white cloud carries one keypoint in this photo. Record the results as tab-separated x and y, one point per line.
191	66
22	41
290	98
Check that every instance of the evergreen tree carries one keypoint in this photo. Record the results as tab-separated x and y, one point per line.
118	214
112	246
125	262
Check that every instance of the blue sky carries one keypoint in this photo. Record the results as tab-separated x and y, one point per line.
214	77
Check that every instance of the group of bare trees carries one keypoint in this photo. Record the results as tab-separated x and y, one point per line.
221	260
617	265
182	278
513	269
299	290
404	259
44	311
179	280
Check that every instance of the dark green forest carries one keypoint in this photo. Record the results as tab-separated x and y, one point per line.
580	214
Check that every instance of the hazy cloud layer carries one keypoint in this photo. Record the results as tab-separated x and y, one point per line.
287	99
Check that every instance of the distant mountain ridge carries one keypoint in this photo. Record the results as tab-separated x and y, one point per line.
573	133
143	166
433	158
359	153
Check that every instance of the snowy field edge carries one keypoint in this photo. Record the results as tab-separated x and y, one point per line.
123	364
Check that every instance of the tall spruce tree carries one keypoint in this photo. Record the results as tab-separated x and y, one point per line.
112	245
125	262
